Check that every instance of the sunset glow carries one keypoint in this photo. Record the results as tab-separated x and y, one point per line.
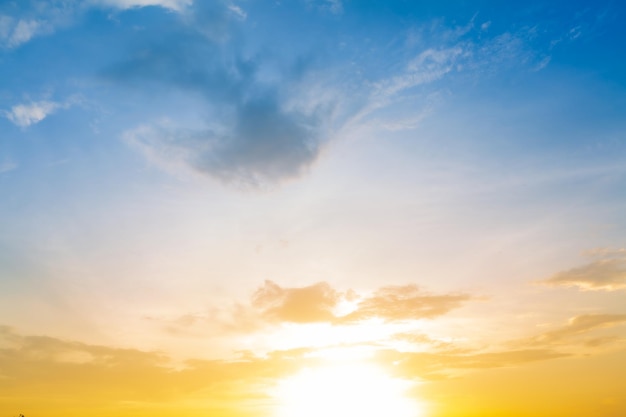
312	208
344	389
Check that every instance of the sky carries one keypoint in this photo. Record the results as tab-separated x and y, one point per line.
294	208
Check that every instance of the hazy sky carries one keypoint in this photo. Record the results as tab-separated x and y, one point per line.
204	203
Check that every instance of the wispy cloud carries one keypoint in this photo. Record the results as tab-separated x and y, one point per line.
15	32
20	22
406	302
176	5
607	273
260	132
577	326
442	365
332	6
31	366
33	112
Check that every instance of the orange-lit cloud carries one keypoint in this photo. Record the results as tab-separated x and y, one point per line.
441	365
314	303
51	371
406	302
578	326
607	273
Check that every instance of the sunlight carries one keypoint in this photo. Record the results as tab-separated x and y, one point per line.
343	390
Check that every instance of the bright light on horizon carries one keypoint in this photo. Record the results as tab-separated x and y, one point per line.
344	389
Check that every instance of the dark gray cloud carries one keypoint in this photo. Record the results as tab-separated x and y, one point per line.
262	131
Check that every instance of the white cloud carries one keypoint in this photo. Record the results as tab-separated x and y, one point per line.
427	67
23	32
238	11
15	32
28	114
332	6
37	18
176	5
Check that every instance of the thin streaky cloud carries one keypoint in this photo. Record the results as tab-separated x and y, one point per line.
605	274
577	326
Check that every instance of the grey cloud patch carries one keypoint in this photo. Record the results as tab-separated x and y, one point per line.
267	144
267	117
263	146
262	132
607	273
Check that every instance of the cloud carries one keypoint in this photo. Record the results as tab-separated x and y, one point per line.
320	302
176	5
332	6
28	19
259	130
24	115
314	303
267	116
31	113
273	304
20	22
427	67
577	326
48	368
441	365
607	273
404	303
16	32
264	145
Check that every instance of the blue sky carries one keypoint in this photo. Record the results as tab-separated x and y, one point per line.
161	156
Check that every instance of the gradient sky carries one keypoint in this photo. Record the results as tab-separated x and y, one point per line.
219	207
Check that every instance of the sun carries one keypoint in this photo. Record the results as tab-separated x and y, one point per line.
340	390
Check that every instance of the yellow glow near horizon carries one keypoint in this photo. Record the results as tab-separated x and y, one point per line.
339	390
